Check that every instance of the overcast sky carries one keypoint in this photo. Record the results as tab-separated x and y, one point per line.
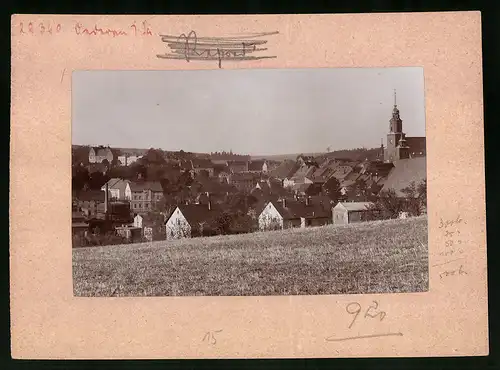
252	111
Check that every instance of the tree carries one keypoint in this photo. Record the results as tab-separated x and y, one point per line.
80	177
332	189
416	197
222	223
389	204
153	156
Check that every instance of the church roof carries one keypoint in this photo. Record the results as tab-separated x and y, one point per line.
404	172
417	145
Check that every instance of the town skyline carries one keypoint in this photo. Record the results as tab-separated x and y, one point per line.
276	106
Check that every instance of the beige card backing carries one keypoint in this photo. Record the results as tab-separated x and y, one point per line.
49	323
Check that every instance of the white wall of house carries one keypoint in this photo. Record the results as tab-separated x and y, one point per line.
288	183
128	192
339	215
138	221
269	217
122	159
114	193
177	227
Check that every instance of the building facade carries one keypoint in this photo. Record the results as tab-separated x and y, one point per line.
145	196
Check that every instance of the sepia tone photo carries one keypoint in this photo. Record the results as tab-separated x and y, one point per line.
249	182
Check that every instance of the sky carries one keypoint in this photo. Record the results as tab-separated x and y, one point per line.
248	111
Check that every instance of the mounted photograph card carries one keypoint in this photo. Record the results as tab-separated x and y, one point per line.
247	186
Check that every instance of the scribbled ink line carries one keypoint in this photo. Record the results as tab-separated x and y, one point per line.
191	47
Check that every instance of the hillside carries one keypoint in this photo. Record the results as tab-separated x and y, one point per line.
371	257
359	154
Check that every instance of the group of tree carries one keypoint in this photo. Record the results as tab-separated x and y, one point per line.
389	204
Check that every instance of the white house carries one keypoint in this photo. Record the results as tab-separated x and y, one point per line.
118	189
97	155
190	220
284	214
270	218
127	160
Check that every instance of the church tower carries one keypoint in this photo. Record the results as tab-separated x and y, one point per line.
396	147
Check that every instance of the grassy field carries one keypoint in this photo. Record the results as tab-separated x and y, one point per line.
371	257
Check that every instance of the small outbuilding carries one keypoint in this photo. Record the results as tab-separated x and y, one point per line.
348	212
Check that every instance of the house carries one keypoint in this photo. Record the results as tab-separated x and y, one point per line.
306	160
286	213
152	226
145	196
307	189
198	165
79	225
258	166
88	201
99	154
348	212
131	233
342	171
223	177
127	160
284	170
237	166
118	189
190	220
243	181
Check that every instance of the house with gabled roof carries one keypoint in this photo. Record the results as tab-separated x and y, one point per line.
152	225
244	181
284	170
237	166
118	189
350	212
191	220
201	164
290	213
99	154
258	166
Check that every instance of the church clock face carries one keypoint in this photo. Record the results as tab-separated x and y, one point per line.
390	141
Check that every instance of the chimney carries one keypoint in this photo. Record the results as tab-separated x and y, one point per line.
283	201
106	199
308	201
209	202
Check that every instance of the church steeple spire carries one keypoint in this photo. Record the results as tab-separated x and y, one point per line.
395	104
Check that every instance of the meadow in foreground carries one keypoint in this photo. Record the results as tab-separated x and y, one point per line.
370	257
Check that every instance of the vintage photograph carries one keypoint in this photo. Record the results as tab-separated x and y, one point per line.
249	182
